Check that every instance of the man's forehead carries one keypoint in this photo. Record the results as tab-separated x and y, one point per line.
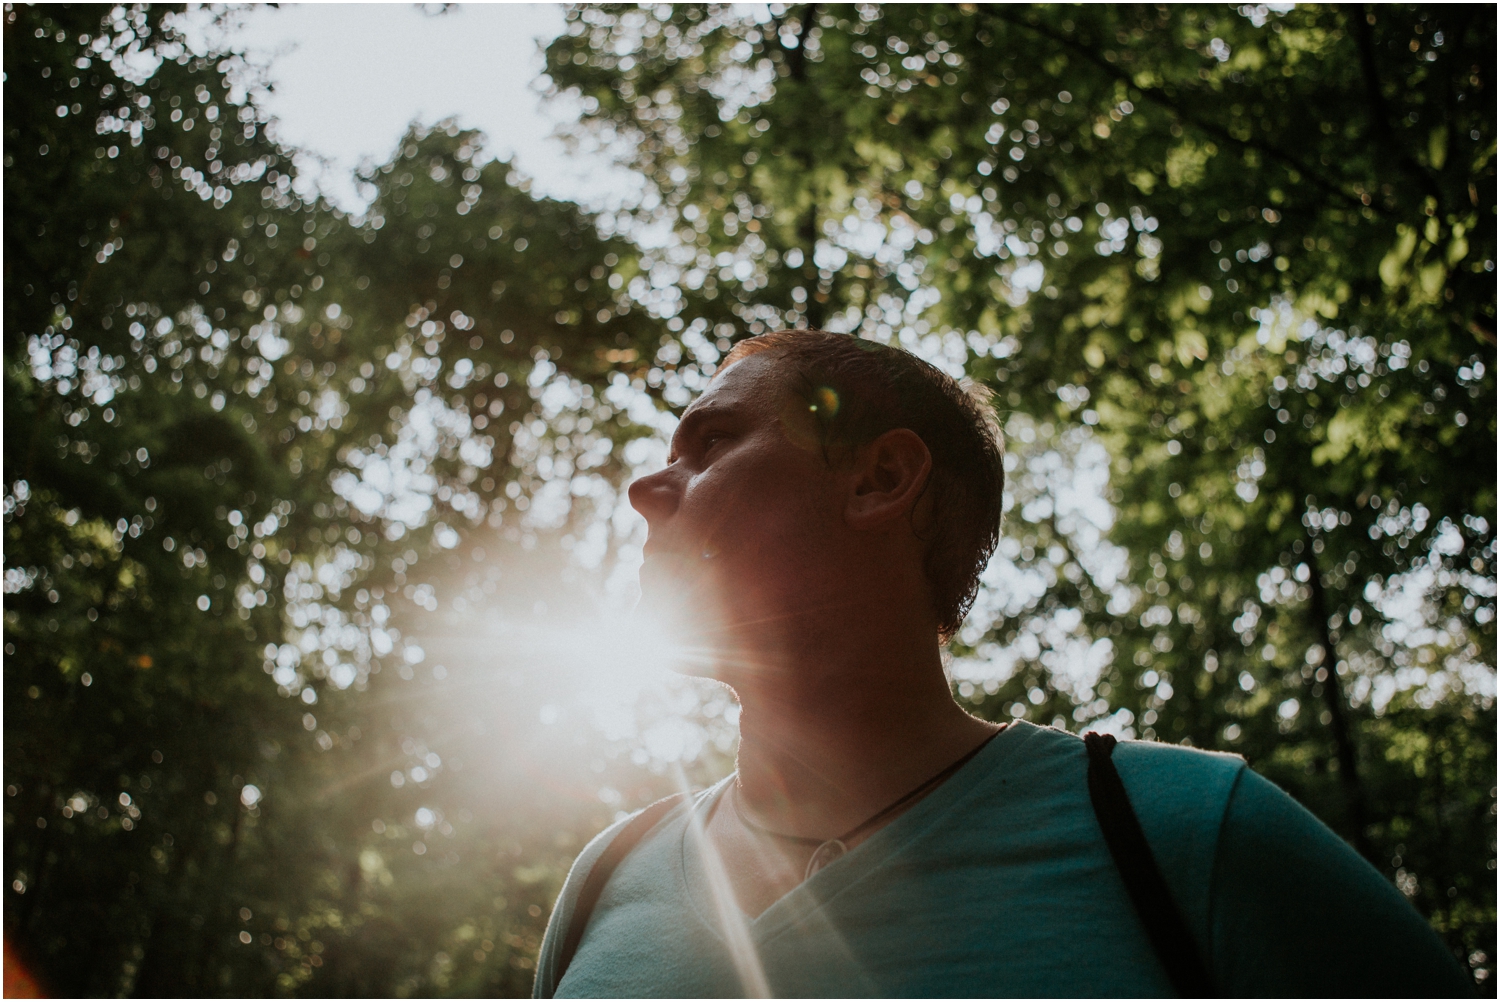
758	390
754	381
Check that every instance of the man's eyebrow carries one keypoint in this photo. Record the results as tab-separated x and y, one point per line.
705	413
695	418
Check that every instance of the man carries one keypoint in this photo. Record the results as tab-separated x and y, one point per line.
826	511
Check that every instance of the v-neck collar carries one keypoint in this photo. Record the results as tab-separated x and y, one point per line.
807	898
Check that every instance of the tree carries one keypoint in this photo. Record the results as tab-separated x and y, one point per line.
203	372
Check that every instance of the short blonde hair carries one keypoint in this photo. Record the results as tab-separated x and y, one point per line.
861	389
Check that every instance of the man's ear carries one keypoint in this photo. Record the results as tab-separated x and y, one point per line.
889	475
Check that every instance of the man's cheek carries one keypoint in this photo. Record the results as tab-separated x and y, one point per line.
716	506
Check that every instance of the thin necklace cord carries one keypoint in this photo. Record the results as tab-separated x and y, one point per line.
875	818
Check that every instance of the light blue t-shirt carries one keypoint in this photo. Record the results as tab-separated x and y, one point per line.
999	883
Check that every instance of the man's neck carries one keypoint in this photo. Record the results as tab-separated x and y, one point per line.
837	725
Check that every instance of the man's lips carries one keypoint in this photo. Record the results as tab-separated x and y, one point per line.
673	575
674	559
664	549
666	558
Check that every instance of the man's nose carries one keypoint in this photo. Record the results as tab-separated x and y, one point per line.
655	495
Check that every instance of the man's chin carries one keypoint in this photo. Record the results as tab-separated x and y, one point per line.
671	584
688	613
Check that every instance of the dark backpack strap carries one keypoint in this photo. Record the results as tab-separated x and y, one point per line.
1148	890
604	867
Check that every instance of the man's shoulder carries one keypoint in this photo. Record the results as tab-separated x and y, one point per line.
1152	769
562	909
567	899
1175	783
599	844
1162	765
1180	794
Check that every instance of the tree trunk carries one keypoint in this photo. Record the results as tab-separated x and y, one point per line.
1338	711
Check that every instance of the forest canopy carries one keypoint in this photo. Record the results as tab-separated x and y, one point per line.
304	508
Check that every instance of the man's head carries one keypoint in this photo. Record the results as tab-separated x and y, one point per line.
810	449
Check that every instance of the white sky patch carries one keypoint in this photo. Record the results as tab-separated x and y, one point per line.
1427	652
347	79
